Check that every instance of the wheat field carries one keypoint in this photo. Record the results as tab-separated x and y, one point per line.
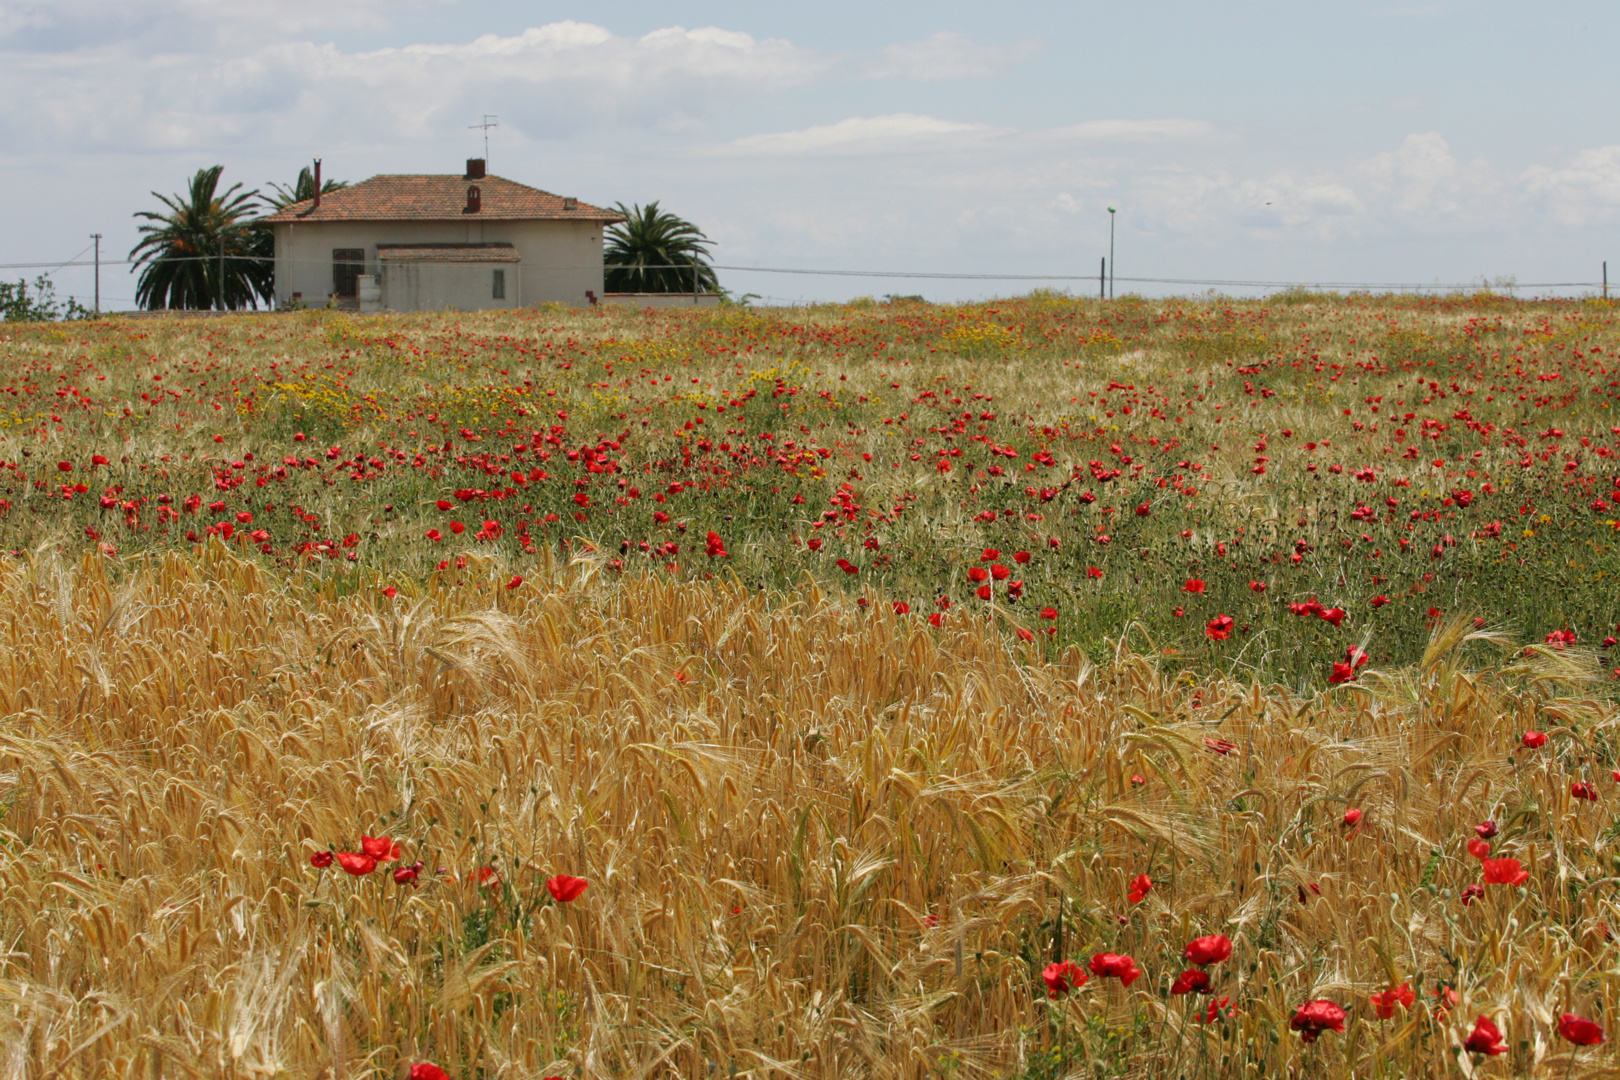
821	840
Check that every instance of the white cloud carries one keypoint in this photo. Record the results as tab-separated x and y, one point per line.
947	55
1584	192
858	134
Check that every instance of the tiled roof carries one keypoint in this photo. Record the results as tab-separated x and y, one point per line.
441	198
458	253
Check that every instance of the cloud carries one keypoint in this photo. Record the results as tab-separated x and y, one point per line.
858	134
1584	192
947	55
229	73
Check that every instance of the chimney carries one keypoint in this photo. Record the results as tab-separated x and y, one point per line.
475	168
475	199
317	205
570	203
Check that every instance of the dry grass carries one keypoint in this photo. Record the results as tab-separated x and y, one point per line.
765	839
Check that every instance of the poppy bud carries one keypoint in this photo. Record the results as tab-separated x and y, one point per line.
1352	817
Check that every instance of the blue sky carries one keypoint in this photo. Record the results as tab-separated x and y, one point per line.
1397	142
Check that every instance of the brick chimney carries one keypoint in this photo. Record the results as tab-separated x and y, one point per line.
475	200
475	168
317	204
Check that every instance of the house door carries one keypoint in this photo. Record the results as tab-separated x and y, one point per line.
347	266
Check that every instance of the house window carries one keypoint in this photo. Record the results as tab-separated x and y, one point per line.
347	266
500	285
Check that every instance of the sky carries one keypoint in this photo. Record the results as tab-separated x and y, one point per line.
1456	142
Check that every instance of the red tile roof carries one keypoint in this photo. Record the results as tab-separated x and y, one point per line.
441	198
460	253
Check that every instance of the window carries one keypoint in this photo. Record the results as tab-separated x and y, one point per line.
347	265
500	285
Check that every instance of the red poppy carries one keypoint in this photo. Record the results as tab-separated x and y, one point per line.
1257	586
1315	1017
1504	872
1115	966
1379	601
1580	789
1486	1038
902	608
1144	510
435	535
1219	628
1471	893
425	1070
1579	1031
358	865
1021	556
1208	950
390	592
1485	829
1333	615
488	877
407	875
1217	1008
1190	981
1352	818
990	555
457	527
321	859
977	574
1049	613
380	848
1141	885
1194	585
1479	848
1060	978
1384	1003
565	889
1534	739
1094	571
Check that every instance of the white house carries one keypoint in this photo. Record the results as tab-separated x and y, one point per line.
432	242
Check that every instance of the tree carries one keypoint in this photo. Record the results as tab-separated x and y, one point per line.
43	306
656	252
182	252
302	189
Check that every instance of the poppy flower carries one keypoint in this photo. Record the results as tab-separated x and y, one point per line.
1021	556
1060	978
990	555
1315	1017
1217	1009
1534	739
1115	966
390	592
435	535
1141	885
1094	571
1194	585
1257	586
1582	790
1384	1003
1049	613
1208	950
1190	981
1486	1038
457	527
358	865
977	574
1504	872
1333	615
983	592
1144	510
565	889
380	848
444	504
1485	829
426	1070
1472	893
1352	818
1479	848
1579	1031
321	859
407	875
902	608
1378	601
1220	746
1219	628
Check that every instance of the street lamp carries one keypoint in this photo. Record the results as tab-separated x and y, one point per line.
1110	253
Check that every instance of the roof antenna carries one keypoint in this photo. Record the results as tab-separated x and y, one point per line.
489	122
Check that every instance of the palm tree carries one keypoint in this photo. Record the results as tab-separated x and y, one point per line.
206	251
655	251
303	188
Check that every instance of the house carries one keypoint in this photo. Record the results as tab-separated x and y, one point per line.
432	242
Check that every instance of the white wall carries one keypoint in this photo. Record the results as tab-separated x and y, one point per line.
562	260
409	285
659	300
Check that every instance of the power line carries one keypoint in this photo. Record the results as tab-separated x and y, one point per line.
923	275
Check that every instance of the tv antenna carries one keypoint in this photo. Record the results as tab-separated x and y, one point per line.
489	122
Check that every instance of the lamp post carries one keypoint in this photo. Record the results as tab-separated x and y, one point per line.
1110	253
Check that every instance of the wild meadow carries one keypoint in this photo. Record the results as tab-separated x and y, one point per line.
1040	688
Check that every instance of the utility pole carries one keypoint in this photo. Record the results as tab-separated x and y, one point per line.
222	272
1102	279
489	122
1110	253
1605	279
96	237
